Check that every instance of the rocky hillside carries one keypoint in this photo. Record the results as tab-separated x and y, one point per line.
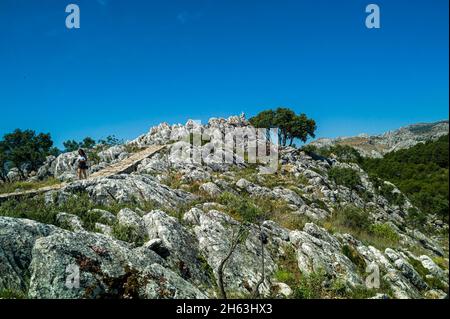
378	145
176	228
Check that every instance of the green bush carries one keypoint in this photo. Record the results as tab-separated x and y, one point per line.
12	294
80	205
240	207
128	234
24	186
311	286
384	231
353	217
347	177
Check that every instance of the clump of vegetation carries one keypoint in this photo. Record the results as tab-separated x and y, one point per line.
288	271
128	234
132	148
245	207
25	151
80	205
12	294
387	191
347	177
284	179
173	180
311	286
352	217
356	221
431	281
239	207
24	186
384	231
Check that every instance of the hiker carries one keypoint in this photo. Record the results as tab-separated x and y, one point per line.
82	164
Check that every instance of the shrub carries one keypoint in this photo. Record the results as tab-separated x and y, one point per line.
311	286
12	294
384	231
23	186
128	234
353	217
347	177
240	207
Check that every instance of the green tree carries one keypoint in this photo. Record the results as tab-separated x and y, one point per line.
110	140
290	126
71	146
3	163
284	118
26	149
88	143
301	128
264	119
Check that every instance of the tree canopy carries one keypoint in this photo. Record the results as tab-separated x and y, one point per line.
25	149
421	172
72	145
290	125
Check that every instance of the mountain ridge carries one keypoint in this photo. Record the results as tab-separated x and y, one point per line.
381	144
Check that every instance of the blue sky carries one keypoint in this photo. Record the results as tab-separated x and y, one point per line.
135	63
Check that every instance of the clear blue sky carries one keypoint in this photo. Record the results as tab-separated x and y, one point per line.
136	63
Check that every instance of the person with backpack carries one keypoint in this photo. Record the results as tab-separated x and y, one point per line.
82	164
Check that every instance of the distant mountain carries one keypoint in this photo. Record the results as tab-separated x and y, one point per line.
402	138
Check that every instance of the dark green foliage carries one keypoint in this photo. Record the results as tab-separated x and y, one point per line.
25	149
345	176
127	234
111	140
72	145
387	191
12	294
290	126
311	286
421	172
353	217
80	205
3	163
240	207
416	218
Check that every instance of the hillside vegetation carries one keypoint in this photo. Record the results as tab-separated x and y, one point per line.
420	172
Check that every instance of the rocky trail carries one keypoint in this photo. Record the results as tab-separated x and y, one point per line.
124	166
